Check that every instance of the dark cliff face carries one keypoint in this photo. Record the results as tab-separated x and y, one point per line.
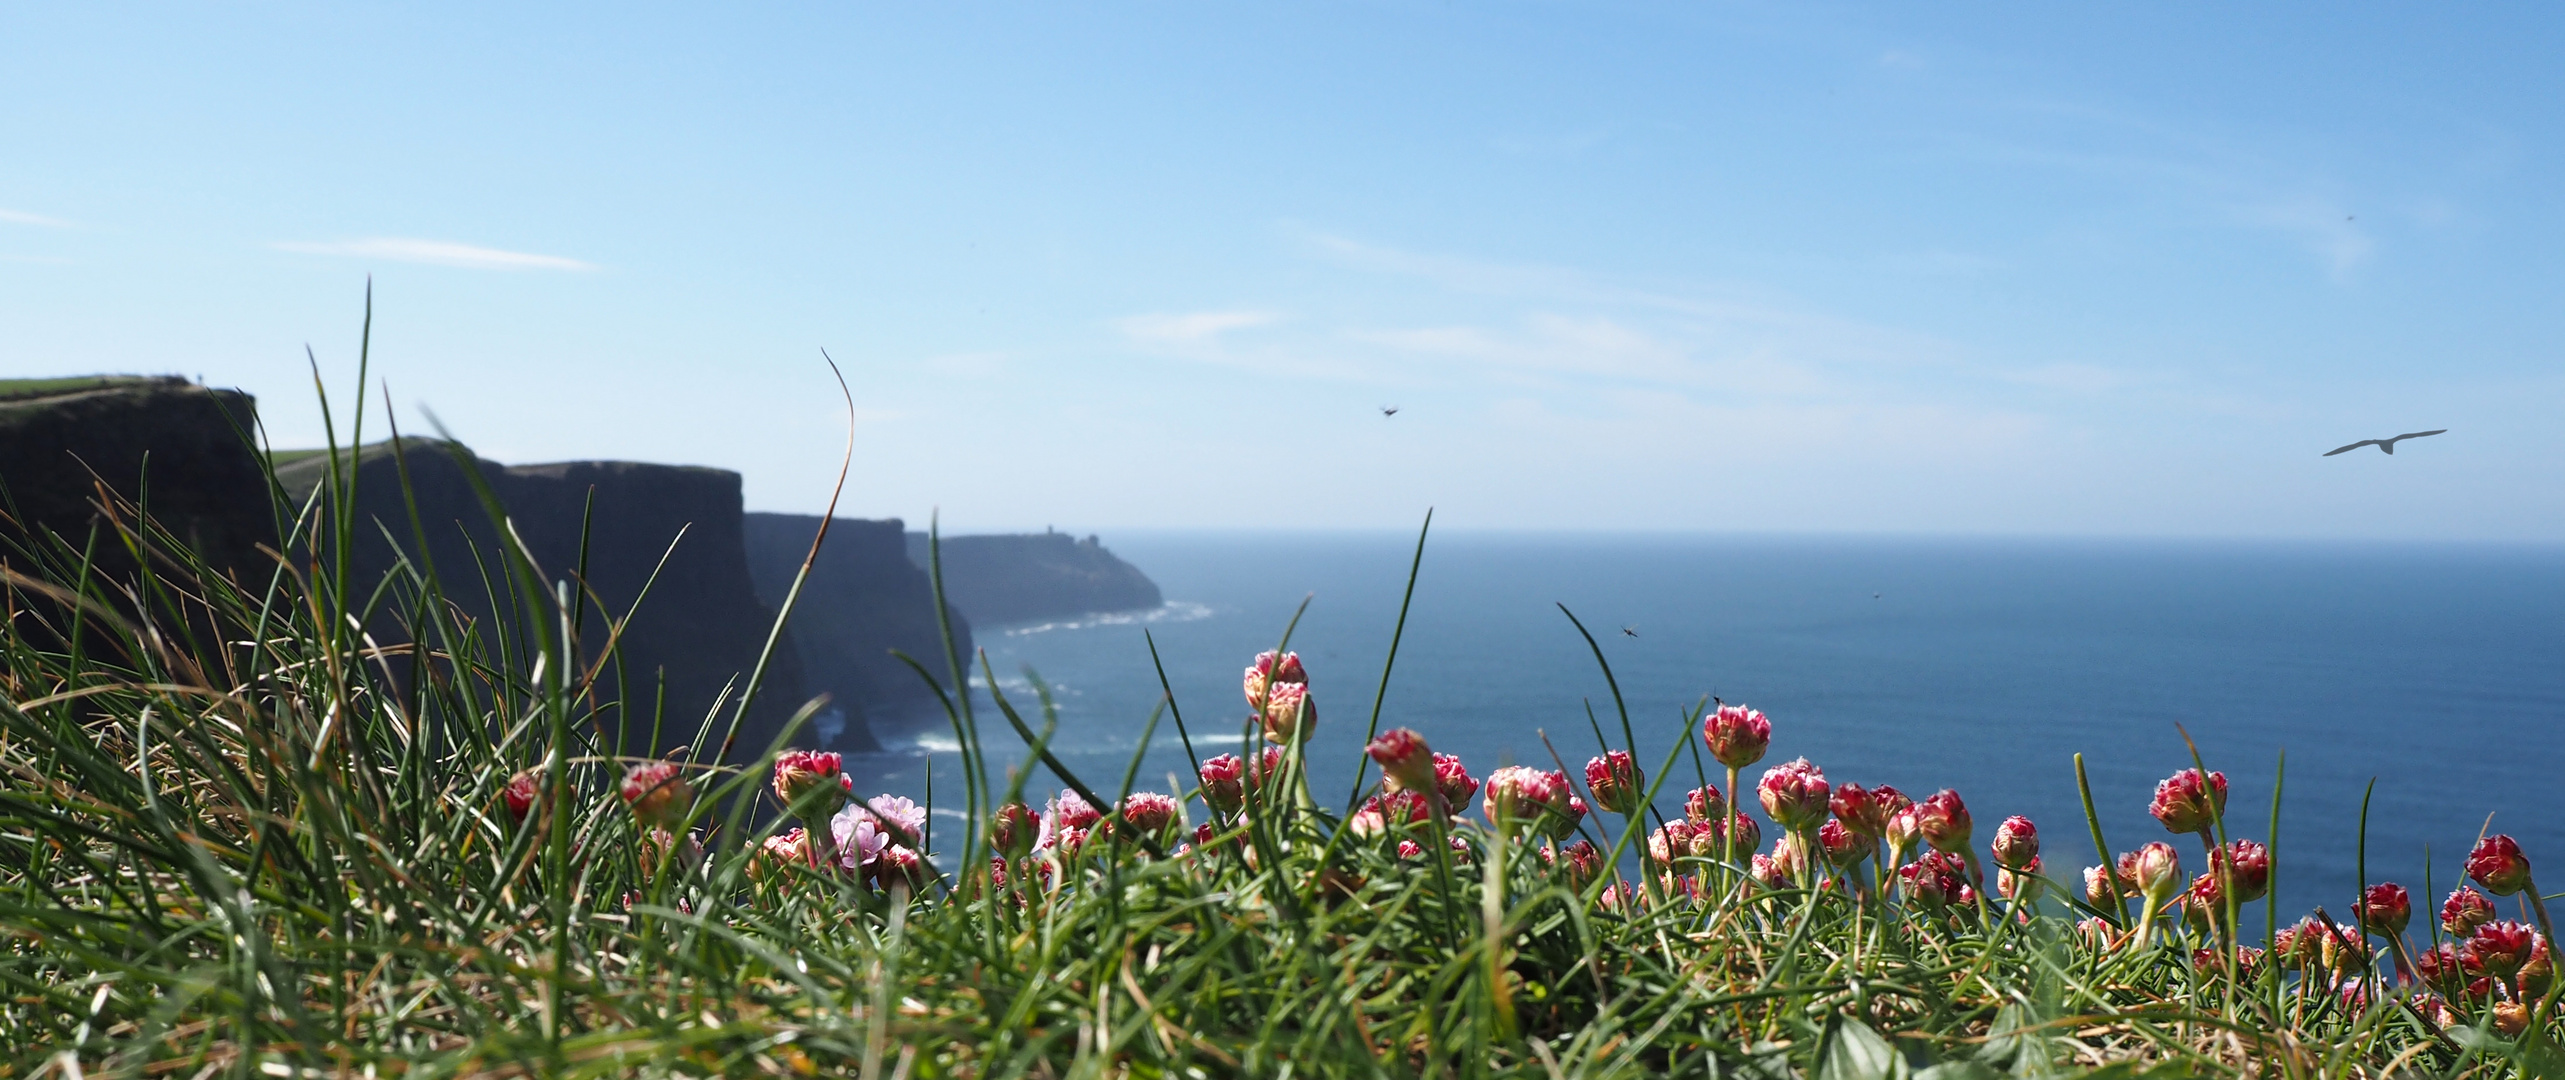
700	627
1023	578
60	437
862	600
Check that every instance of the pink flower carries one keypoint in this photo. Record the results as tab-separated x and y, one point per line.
2204	903
905	821
1770	872
2499	947
1704	804
2022	884
1615	781
2251	869
1867	811
1224	784
1904	828
2097	886
1794	795
1522	796
2464	911
1943	820
1264	767
1844	848
1454	781
2157	868
1926	884
1404	758
778	851
1381	811
2016	844
1147	814
1743	833
1579	860
896	865
1289	714
1012	829
1068	811
2187	802
860	837
2384	909
2498	865
1737	735
1264	672
520	794
1672	841
658	794
810	783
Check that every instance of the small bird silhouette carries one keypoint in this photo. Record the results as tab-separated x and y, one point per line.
1630	630
2386	446
1874	596
1389	410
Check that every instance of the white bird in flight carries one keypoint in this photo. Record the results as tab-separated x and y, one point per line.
2386	446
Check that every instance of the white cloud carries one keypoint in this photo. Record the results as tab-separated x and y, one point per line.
1193	327
436	253
21	217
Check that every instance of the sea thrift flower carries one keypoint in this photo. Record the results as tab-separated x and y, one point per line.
1744	833
2384	909
1394	808
1268	670
1615	781
1289	714
1579	860
1790	856
1404	759
1147	814
1673	840
2216	959
2187	802
1923	884
2441	970
2511	1017
2342	949
860	837
905	821
1563	825
1844	848
2021	885
1704	804
1263	767
1867	811
778	851
2158	870
520	794
2017	843
1069	811
1455	782
1224	784
2498	865
2097	885
2464	911
656	845
657	793
1794	795
2204	903
2537	971
1737	735
810	783
2499	947
2250	864
1012	830
897	865
1943	821
1768	872
1522	795
1905	827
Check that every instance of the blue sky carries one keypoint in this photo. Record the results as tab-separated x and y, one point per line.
1949	269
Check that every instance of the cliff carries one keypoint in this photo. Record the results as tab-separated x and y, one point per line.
863	599
1023	578
701	625
59	438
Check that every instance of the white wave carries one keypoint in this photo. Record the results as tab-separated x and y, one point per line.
1173	611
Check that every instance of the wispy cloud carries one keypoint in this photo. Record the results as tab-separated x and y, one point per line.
436	253
21	217
1192	327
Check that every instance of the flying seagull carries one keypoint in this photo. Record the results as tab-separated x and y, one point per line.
1389	410
2387	446
1630	630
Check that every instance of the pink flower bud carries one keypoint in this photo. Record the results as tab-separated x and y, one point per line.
2016	844
2384	909
1578	860
1563	824
2464	911
1671	841
1943	820
2204	904
1790	856
1704	804
811	783
2097	886
520	794
1379	812
1521	795
1264	767
2499	947
1454	781
2341	949
1289	714
1794	795
1146	814
2251	868
1923	884
1615	781
2158	870
2022	885
1012	830
1404	759
779	851
1224	784
2440	969
1768	872
1867	811
2186	802
1844	848
899	866
658	794
2498	865
1069	811
1264	672
1736	735
1744	833
1904	828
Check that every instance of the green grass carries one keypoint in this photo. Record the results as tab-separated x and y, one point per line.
18	389
240	838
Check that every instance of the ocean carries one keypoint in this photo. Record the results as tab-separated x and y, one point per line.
2435	671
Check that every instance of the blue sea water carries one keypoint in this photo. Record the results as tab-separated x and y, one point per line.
1979	665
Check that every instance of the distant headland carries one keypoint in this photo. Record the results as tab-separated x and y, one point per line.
188	451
